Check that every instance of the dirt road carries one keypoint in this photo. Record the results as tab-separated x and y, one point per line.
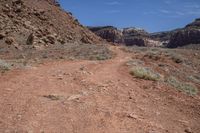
92	97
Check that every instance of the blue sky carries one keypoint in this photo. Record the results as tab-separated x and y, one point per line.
151	15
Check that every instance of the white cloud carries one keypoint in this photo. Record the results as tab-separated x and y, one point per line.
113	3
194	12
168	2
165	11
112	11
192	6
179	13
149	12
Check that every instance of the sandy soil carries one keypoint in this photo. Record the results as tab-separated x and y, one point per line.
92	97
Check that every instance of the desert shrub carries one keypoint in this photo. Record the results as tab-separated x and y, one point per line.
144	73
174	56
185	87
177	58
131	49
194	78
4	66
101	57
135	62
154	55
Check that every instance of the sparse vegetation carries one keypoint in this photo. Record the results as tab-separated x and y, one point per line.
4	66
154	55
144	73
101	57
177	58
185	87
194	78
72	51
134	62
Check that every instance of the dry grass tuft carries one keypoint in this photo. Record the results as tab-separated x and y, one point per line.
185	87
145	73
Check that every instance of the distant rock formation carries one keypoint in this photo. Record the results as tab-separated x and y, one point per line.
109	33
190	34
127	36
185	36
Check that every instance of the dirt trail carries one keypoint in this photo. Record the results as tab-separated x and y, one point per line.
92	97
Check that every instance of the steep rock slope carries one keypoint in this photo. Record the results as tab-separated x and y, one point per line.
33	30
39	23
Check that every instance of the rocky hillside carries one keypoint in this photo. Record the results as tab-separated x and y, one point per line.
163	36
186	36
31	31
127	36
39	23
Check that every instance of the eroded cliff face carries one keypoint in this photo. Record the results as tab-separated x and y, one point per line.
127	36
190	34
186	36
109	33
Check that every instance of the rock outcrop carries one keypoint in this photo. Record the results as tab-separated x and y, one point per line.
109	33
186	36
162	36
39	24
127	36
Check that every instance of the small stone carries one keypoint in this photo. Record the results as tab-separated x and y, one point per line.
62	41
132	115
74	97
188	130
30	39
17	2
17	46
60	78
18	8
51	39
126	85
9	40
2	35
52	97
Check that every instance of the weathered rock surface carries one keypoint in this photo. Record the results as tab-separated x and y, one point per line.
186	36
40	23
127	36
109	33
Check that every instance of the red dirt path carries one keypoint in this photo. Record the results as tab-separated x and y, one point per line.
92	97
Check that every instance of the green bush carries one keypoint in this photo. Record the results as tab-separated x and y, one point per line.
144	73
